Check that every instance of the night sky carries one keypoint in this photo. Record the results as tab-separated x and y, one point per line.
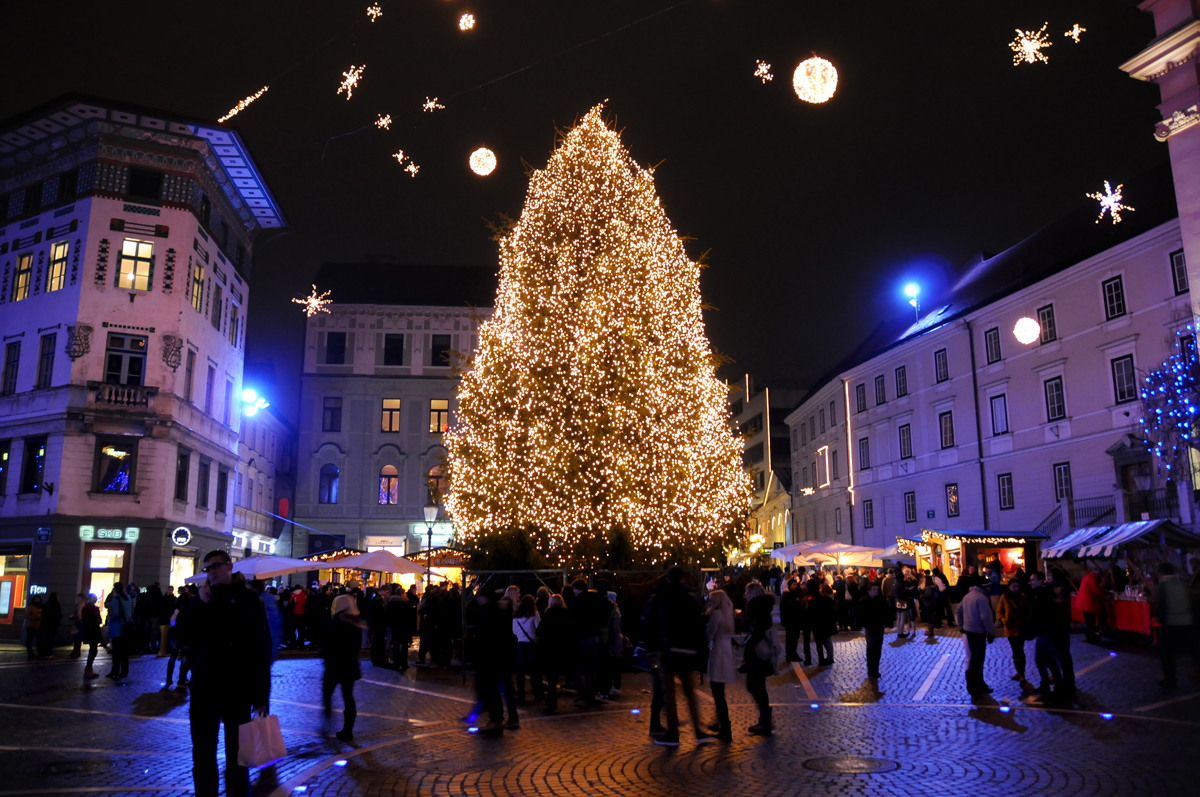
934	148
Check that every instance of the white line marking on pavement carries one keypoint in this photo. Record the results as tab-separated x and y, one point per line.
925	687
25	748
421	691
175	720
1094	665
361	713
809	692
1172	701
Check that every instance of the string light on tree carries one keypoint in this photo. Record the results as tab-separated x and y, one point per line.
313	303
1074	32
241	106
412	168
374	11
483	161
1110	202
466	21
1027	47
763	72
590	418
350	80
384	122
815	80
431	105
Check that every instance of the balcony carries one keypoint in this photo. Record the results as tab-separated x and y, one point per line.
122	397
255	522
1155	504
1074	513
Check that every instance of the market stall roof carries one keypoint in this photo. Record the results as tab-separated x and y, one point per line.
1072	540
788	552
261	567
986	537
1104	540
324	557
377	562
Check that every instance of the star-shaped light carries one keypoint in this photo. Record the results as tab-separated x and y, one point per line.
1027	47
313	303
384	122
400	156
350	80
1110	202
432	105
1074	32
374	11
764	71
412	168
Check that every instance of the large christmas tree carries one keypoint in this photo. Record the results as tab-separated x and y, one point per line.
590	417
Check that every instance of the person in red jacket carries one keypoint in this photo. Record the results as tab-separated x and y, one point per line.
1091	602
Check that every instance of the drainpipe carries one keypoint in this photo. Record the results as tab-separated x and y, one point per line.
978	425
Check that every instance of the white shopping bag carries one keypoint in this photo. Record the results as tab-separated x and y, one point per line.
260	742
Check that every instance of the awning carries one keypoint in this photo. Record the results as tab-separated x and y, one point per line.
377	562
261	567
985	537
1103	541
1072	540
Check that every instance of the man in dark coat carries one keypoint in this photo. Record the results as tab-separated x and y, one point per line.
873	612
791	615
676	635
401	617
231	673
588	616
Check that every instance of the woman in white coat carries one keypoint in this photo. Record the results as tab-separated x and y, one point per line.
721	667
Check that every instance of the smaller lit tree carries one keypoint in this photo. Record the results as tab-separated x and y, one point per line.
1170	405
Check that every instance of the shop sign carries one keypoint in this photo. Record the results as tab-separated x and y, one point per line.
89	533
181	535
44	533
37	589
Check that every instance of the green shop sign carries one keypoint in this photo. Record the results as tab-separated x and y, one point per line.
91	533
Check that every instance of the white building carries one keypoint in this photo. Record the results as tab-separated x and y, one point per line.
767	456
952	423
124	249
378	392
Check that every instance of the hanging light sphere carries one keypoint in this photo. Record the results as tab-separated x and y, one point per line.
815	80
483	161
1027	330
466	22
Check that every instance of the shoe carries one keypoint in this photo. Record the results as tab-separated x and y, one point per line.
874	675
344	736
513	724
726	734
614	691
668	740
714	726
759	729
113	676
90	673
657	730
492	730
705	738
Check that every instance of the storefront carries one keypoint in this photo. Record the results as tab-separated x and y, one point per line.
954	551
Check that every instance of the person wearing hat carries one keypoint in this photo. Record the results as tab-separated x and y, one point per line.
342	642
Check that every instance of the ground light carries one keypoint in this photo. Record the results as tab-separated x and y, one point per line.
814	705
1113	654
1005	709
635	711
341	762
473	729
1104	715
300	789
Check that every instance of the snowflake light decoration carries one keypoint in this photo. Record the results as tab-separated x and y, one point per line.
313	303
384	122
412	168
466	22
241	106
374	11
400	157
1074	32
1110	202
483	161
764	71
350	80
815	80
432	105
1027	47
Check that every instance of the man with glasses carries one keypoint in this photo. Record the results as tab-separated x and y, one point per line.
231	673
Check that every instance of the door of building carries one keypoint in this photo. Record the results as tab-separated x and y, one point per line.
104	564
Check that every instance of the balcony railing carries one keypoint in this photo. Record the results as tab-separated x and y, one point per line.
1075	513
136	397
1152	504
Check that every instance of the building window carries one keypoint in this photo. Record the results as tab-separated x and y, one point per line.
753	426
832	414
880	390
946	428
822	421
1124	380
439	415
906	441
56	274
393	350
335	348
804	477
233	325
901	382
1179	272
228	408
868	514
803	434
202	477
864	453
198	288
391	415
331	416
5	447
222	489
439	351
1062	481
837	520
860	397
218	307
45	372
33	469
116	464
834	472
941	366
183	464
910	507
1005	484
12	364
1046	322
22	278
991	342
753	454
951	500
1056	406
209	386
144	184
389	485
436	481
999	414
135	266
189	374
812	427
1114	298
125	359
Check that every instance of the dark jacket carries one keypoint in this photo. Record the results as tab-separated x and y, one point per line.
674	620
167	604
791	609
342	643
51	619
401	616
873	612
89	618
554	638
589	613
1041	614
822	618
231	646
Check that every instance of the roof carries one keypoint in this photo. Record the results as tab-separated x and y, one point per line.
1063	243
1104	540
396	284
983	536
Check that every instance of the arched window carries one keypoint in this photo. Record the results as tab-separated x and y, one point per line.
437	483
329	484
389	485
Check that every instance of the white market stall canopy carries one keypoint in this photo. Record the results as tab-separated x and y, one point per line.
1104	540
376	562
823	552
262	567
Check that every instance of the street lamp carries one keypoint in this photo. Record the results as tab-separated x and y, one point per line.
912	290
253	402
431	511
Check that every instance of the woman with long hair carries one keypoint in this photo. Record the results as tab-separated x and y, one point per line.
721	667
524	625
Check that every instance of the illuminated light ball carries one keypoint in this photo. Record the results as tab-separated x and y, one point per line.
249	396
466	22
815	80
483	161
1027	330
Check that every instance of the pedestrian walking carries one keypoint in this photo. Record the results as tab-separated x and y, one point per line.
52	615
340	652
1173	609
1090	602
906	596
1041	628
758	657
166	608
812	593
554	646
1060	586
791	616
77	625
1014	613
978	624
823	619
493	631
873	612
524	628
231	673
722	669
180	630
677	638
120	630
300	597
89	622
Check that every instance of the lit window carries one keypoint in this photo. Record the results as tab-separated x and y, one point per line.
391	415
437	483
116	462
951	500
389	485
135	266
22	277
197	296
56	274
1114	298
34	466
439	415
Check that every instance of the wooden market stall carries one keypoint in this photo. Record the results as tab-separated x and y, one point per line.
953	550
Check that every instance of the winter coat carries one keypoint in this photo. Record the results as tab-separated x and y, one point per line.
615	647
51	619
89	618
554	634
1172	602
791	609
722	668
758	611
120	614
873	612
401	616
525	629
1041	614
1014	613
33	616
230	643
821	616
1090	598
342	643
974	614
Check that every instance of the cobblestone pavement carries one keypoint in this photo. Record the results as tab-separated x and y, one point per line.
59	735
